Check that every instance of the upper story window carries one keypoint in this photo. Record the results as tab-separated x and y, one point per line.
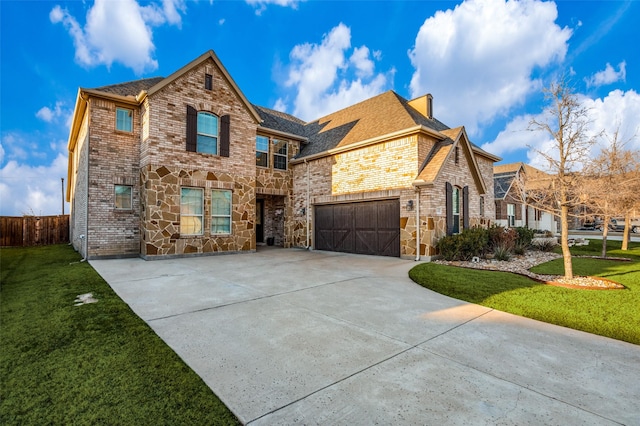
207	141
208	81
262	151
123	197
280	154
124	119
457	155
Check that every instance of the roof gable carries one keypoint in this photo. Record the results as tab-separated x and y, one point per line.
209	55
384	114
441	153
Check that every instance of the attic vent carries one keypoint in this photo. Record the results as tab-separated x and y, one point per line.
423	104
208	81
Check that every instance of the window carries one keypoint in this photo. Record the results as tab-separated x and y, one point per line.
482	206
191	211
207	133
457	155
279	154
220	211
456	209
124	197
511	214
208	81
124	119
262	151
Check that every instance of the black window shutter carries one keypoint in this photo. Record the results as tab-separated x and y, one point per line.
192	129
225	124
449	207
465	207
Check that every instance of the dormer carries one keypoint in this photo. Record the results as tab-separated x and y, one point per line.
424	105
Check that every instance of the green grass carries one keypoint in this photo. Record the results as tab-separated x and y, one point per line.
91	364
611	313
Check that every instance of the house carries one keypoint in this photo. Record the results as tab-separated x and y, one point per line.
511	182
186	165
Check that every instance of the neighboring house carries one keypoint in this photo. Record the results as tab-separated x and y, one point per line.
510	198
186	165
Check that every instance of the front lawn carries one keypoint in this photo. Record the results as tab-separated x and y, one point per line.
90	364
611	313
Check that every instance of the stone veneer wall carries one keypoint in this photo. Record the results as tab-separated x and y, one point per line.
161	211
166	165
113	160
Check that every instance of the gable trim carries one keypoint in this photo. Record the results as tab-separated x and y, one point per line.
469	152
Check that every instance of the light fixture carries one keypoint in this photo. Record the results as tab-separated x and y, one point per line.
410	205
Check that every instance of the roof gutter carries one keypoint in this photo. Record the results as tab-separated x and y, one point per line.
283	134
371	141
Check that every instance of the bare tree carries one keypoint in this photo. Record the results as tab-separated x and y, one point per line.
609	183
566	121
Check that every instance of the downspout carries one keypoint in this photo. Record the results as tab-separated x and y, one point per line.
308	207
417	189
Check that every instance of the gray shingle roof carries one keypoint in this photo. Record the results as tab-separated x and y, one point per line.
130	88
377	116
280	121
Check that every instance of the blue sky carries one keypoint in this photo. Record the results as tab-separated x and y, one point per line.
484	61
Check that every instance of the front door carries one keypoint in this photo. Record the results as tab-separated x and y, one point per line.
259	221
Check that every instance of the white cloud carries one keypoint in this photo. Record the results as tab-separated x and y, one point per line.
608	75
617	110
322	80
32	189
119	31
478	59
53	114
261	5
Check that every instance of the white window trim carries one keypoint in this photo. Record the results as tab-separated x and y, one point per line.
130	111
216	136
201	216
276	154
263	152
115	192
220	215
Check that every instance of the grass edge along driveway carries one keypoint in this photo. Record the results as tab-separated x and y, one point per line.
90	364
610	313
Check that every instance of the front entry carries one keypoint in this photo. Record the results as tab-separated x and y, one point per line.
259	221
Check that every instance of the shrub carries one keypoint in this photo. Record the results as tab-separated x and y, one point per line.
525	236
547	244
471	242
520	248
448	247
502	253
501	237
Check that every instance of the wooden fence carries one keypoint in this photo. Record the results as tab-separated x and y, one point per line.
34	230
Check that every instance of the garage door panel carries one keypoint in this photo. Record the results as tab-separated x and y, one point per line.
371	227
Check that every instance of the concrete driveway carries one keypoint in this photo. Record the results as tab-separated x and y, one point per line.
287	336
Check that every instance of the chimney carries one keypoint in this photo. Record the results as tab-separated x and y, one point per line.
423	104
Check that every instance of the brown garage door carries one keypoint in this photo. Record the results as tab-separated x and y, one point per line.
371	227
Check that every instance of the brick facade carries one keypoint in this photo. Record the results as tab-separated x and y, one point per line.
155	161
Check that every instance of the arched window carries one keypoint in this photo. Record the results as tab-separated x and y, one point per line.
207	133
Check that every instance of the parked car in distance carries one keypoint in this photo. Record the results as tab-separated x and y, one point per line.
617	224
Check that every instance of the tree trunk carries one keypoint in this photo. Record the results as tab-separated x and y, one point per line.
564	241
625	234
605	232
